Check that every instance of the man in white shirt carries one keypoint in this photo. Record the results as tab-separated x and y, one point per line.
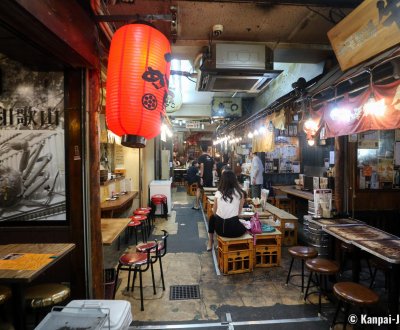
256	175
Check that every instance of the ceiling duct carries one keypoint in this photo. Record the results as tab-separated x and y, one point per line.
236	68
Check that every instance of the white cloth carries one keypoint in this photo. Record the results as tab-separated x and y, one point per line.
256	167
225	209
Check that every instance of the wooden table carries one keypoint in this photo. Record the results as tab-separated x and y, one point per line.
18	273
378	243
121	203
111	229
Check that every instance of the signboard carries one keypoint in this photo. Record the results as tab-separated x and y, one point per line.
371	28
193	124
226	107
32	156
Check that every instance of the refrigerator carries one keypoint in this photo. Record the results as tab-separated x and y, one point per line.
162	187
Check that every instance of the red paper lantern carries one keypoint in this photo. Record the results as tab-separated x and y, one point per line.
137	83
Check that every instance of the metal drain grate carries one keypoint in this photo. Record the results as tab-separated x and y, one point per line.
184	292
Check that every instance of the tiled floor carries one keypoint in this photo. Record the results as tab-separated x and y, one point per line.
260	296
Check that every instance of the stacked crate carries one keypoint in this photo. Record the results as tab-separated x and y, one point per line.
235	255
267	250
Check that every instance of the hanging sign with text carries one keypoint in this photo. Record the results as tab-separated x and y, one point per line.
371	28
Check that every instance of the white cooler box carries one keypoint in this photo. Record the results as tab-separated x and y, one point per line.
90	314
120	311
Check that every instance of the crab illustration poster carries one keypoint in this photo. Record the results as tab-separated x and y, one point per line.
32	145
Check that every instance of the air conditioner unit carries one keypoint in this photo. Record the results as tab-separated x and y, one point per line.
237	68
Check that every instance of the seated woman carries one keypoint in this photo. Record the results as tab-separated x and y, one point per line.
228	203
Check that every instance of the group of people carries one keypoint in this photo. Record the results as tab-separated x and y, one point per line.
229	198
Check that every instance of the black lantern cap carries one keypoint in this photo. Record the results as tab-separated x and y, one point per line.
133	141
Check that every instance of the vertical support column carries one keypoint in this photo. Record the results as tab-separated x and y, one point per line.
339	173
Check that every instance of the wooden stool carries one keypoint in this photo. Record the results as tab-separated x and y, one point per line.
5	294
192	189
45	295
235	255
303	253
323	268
350	293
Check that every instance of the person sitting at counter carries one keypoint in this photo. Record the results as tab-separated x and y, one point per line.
228	204
193	176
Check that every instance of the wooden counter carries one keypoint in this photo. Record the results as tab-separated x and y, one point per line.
121	203
291	190
112	228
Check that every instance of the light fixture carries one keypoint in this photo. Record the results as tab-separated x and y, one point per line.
311	142
262	129
250	135
375	108
372	106
180	122
342	114
270	126
137	83
202	126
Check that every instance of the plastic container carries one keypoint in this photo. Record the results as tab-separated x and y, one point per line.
73	318
109	283
120	316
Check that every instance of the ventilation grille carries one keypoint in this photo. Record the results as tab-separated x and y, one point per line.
184	292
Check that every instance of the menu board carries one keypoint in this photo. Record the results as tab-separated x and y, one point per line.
25	261
323	202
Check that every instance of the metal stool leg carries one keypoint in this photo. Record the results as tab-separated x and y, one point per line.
290	270
162	273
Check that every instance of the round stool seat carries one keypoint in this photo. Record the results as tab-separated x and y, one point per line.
143	246
5	294
148	208
134	223
133	258
139	218
322	266
355	293
141	212
304	252
159	199
43	295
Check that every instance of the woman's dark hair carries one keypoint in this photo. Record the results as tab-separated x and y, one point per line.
229	185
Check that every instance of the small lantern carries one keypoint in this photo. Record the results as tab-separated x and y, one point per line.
137	83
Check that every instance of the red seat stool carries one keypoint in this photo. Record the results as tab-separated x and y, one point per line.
138	262
146	213
135	224
162	250
160	199
143	220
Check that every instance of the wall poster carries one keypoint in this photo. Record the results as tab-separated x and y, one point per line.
32	145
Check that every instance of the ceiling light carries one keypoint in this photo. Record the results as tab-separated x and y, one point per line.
375	108
250	135
311	142
340	114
